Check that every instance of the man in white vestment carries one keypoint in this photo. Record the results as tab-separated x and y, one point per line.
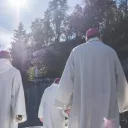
12	102
51	116
94	85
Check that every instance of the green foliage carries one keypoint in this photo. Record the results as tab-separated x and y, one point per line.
53	37
58	10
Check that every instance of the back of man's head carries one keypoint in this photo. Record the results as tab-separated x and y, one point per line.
92	33
5	55
57	80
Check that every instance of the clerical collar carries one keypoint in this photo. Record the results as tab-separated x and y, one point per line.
94	39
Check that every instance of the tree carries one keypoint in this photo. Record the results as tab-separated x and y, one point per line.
110	16
76	21
123	5
58	9
37	37
49	35
19	47
19	34
42	32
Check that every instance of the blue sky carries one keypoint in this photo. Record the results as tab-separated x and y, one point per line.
10	16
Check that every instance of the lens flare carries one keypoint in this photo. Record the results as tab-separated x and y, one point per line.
18	4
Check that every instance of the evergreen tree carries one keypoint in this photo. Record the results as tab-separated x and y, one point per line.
58	10
19	47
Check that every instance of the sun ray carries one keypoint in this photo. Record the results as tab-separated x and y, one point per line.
18	4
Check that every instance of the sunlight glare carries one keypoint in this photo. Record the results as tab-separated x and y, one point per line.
18	4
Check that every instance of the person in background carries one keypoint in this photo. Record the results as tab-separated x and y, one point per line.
12	107
94	84
49	115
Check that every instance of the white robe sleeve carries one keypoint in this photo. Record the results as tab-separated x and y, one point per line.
18	99
122	87
65	90
41	107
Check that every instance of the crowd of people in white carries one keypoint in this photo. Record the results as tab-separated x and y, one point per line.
91	92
